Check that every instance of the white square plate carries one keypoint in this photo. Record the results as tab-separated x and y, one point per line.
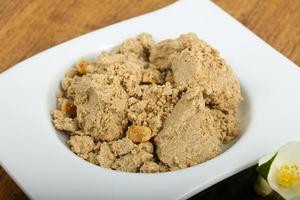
37	159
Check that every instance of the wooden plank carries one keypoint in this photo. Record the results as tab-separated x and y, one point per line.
28	27
9	190
1	172
275	21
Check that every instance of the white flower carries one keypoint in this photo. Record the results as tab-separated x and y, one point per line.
284	173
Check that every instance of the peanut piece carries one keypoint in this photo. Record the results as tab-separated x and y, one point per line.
69	108
138	134
82	67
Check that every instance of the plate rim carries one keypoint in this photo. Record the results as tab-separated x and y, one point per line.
16	71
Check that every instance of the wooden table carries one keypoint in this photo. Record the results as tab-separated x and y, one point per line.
28	27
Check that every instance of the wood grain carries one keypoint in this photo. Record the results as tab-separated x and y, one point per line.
275	21
30	26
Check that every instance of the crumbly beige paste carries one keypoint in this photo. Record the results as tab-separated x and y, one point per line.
150	107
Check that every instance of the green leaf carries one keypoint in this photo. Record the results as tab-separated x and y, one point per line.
261	187
264	169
